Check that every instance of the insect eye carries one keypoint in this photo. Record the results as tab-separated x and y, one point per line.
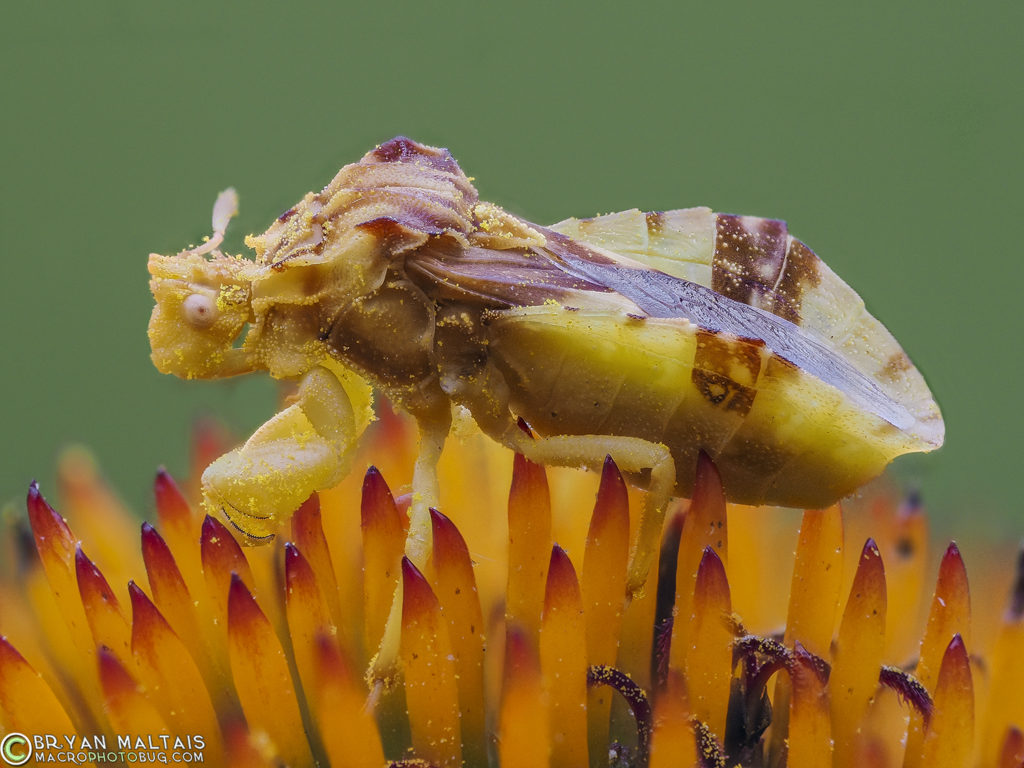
200	311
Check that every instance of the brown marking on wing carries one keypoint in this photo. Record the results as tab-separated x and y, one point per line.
749	256
739	359
660	295
895	367
655	221
800	273
726	370
724	392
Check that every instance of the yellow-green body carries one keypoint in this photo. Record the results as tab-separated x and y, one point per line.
589	372
647	337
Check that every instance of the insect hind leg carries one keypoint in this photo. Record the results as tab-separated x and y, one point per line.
631	454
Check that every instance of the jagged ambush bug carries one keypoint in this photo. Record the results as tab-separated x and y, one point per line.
647	336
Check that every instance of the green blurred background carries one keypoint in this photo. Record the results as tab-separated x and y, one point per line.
888	135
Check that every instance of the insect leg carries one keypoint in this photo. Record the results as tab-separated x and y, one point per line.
631	454
305	448
433	422
486	394
433	428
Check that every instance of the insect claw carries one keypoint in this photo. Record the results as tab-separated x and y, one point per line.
250	537
244	513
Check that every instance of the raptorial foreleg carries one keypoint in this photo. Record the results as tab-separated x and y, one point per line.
306	447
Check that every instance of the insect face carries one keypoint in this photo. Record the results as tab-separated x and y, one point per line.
201	307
